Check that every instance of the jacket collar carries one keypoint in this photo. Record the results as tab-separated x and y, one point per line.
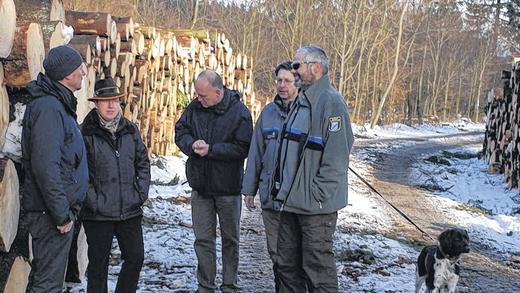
278	101
230	98
316	89
92	126
44	86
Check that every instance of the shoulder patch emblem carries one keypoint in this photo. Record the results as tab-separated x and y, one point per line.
335	124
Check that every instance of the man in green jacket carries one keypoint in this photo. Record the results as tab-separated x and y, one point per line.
310	178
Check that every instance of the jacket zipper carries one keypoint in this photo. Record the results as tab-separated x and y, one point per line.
209	136
117	154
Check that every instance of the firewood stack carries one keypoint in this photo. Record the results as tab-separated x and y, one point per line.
156	67
502	138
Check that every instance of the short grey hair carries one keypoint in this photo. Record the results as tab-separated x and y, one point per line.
313	53
213	78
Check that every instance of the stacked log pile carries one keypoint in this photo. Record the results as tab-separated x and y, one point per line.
22	49
502	138
155	67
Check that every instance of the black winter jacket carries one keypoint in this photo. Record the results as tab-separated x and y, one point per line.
119	171
53	153
228	128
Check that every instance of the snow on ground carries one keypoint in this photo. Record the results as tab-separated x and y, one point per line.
397	130
367	261
475	199
13	137
478	201
393	264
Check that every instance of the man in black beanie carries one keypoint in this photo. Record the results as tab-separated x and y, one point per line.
55	165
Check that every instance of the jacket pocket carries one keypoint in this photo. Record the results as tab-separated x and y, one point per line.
263	187
69	184
134	201
300	196
194	173
91	202
225	177
139	193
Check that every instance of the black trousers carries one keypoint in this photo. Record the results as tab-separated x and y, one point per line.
72	274
129	234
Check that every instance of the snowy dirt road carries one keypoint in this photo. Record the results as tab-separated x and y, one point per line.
375	248
486	268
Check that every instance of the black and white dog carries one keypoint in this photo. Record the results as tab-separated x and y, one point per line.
438	265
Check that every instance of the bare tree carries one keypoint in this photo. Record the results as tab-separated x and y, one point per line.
396	68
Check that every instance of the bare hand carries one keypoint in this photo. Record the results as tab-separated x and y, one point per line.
200	147
66	227
249	201
198	144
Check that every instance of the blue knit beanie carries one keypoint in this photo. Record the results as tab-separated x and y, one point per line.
61	61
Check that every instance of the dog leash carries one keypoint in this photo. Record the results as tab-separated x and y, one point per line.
392	205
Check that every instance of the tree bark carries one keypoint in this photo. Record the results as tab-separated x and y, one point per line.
125	27
92	40
39	11
90	23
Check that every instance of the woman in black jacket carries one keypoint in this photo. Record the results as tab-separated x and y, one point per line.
119	178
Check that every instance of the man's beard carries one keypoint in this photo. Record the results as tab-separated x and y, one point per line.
298	82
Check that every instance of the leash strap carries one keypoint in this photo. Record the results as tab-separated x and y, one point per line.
392	205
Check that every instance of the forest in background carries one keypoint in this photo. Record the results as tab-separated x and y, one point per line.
393	61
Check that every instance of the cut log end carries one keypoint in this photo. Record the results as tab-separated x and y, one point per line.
4	108
35	50
26	59
57	11
7	27
16	270
9	204
58	36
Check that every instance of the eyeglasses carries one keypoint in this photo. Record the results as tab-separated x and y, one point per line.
296	64
285	81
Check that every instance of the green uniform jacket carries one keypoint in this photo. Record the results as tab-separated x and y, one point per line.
311	177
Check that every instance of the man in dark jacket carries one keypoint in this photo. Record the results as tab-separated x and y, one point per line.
261	158
55	166
119	179
215	131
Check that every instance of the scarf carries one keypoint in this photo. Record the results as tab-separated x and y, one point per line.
112	125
